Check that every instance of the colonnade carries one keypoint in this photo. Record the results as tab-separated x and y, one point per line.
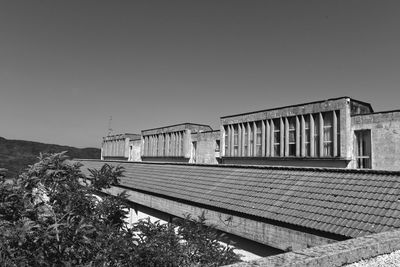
164	144
309	135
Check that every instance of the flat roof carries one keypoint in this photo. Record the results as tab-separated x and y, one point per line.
378	112
179	124
123	135
302	104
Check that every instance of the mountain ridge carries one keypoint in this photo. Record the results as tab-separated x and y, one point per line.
16	155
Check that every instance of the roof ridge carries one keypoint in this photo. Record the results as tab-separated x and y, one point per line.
241	166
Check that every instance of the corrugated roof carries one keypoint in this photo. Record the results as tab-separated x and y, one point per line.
351	203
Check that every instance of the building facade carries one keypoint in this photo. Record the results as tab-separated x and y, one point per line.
171	143
316	134
339	133
121	147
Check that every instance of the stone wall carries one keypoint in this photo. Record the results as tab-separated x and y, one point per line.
336	254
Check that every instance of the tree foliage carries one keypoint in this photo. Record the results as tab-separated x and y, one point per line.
49	216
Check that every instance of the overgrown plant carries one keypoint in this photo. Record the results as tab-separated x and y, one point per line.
50	217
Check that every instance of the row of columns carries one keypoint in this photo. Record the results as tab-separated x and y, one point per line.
164	145
114	148
315	142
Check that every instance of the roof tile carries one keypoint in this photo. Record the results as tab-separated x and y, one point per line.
347	202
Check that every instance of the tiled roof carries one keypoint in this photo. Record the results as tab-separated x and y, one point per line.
351	203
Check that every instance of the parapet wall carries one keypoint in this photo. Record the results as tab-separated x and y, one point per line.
335	254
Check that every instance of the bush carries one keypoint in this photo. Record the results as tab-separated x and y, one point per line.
49	216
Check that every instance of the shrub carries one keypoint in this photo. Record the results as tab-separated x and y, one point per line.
49	216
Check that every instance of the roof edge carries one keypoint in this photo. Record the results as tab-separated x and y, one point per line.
296	105
173	125
241	166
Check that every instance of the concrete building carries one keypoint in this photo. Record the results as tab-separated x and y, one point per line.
171	143
121	147
340	133
314	134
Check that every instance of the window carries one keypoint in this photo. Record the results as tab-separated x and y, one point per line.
217	145
235	141
307	135
316	135
258	138
328	134
292	136
363	149
277	137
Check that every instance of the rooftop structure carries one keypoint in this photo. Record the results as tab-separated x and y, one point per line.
170	143
340	132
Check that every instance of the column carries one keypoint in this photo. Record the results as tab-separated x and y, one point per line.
272	138
248	139
335	137
167	138
297	137
222	141
231	142
187	137
150	145
174	144
286	137
263	138
239	126
303	136
282	141
228	152
321	135
242	125
179	146
154	145
268	138
254	139
312	130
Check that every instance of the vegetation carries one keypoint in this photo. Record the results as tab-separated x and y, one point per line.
15	155
50	217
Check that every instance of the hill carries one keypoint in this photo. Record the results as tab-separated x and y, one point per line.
16	155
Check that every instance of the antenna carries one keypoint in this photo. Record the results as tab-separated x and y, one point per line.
109	127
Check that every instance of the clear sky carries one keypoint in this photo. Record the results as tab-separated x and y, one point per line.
67	66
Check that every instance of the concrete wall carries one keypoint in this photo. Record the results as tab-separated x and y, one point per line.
206	147
166	159
385	139
117	146
135	150
301	162
344	142
193	127
249	250
268	234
